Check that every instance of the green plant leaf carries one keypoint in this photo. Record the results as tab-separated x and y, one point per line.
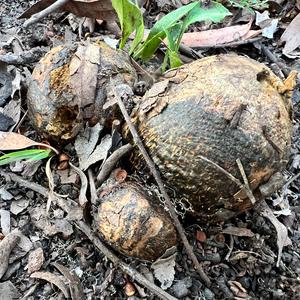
215	13
31	154
163	28
131	20
172	55
158	31
174	58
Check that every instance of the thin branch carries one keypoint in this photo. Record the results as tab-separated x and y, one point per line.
38	16
93	190
231	244
246	182
111	162
93	237
157	178
227	45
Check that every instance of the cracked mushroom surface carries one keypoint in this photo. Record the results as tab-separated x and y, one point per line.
70	86
132	223
223	108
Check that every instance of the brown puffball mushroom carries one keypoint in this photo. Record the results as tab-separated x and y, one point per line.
223	108
69	87
130	221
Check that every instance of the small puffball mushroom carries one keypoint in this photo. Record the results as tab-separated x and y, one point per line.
222	108
70	86
131	223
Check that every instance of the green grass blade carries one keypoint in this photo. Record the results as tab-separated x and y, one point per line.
31	154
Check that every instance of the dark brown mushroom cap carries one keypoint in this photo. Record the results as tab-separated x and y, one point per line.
69	87
133	224
198	115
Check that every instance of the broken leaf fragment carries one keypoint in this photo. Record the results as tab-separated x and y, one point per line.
97	9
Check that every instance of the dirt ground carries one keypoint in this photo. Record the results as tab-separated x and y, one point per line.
241	262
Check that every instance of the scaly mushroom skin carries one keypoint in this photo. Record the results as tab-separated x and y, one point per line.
224	108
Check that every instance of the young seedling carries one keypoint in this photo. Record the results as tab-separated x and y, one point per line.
170	27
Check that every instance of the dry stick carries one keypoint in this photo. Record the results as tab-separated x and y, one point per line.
242	186
53	7
93	190
226	45
111	162
94	239
246	183
230	248
157	178
272	57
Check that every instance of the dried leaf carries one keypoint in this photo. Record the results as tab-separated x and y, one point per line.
54	279
13	110
5	221
51	195
6	122
97	9
238	290
76	290
67	176
14	141
16	84
6	246
237	231
291	36
84	184
85	144
100	153
83	67
5	195
18	206
268	25
50	227
8	291
164	268
282	232
217	36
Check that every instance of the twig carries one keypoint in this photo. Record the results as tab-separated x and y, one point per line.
93	238
291	180
227	45
189	52
227	174
246	183
272	57
231	244
93	191
111	162
157	178
38	16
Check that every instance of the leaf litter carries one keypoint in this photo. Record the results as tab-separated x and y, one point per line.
236	287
